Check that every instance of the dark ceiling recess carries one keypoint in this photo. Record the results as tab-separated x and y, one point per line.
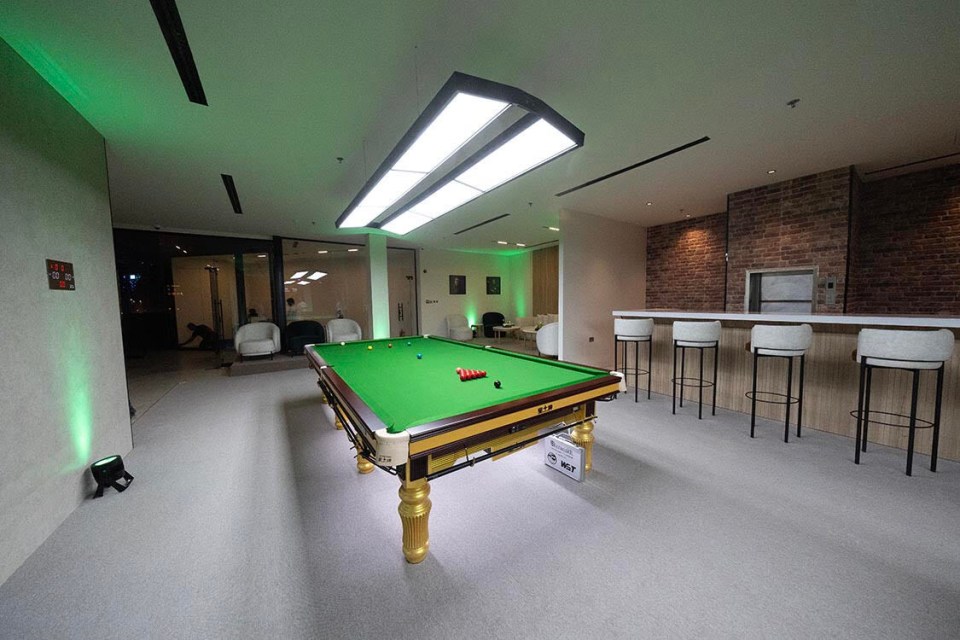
480	224
637	165
232	192
169	18
910	164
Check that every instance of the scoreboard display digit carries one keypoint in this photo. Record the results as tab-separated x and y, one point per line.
60	275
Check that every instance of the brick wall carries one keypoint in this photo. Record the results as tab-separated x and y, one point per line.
907	255
685	264
795	223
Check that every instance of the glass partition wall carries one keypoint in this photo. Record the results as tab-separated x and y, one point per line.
326	280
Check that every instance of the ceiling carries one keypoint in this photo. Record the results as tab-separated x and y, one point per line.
293	85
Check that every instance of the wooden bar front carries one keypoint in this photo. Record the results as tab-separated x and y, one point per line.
831	380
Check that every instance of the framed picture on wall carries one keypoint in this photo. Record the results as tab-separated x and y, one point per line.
458	285
493	285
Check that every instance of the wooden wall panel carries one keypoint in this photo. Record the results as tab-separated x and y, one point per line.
546	280
830	390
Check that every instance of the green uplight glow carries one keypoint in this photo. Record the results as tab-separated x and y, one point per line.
79	408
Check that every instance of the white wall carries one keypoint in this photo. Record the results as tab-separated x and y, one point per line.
436	266
63	399
602	268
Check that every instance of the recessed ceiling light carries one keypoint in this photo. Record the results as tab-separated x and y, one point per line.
304	282
771	171
177	246
352	250
520	244
502	242
289	282
323	251
261	255
688	215
316	275
649	204
554	228
298	275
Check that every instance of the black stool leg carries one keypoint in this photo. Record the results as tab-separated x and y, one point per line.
866	409
913	420
700	408
616	353
649	366
683	372
786	422
753	401
716	358
863	376
936	421
636	370
800	399
673	380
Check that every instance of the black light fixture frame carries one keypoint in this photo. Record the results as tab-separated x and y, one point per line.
464	83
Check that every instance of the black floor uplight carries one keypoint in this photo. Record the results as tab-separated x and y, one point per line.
108	472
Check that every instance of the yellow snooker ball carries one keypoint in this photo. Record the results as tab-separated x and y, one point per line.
369	347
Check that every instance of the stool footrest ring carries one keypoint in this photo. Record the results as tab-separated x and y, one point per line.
789	399
691	382
921	423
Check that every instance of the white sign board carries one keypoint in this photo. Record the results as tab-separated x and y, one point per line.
560	453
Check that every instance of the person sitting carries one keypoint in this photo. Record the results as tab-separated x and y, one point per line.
208	337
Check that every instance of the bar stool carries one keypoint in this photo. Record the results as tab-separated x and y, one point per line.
914	351
779	341
626	330
699	336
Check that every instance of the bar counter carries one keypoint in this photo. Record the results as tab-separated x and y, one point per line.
831	379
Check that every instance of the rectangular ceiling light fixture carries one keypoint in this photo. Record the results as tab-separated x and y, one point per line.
298	275
316	275
464	109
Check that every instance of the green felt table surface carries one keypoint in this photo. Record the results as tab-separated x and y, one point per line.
405	391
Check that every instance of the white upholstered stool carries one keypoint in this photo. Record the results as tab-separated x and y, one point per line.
779	341
699	336
914	351
635	330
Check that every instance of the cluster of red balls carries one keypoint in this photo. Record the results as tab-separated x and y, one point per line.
470	374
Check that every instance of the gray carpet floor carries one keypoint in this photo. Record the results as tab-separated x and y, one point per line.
248	520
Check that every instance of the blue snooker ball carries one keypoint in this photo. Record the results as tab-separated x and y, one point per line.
409	343
419	356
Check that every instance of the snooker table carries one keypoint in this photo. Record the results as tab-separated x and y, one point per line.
405	409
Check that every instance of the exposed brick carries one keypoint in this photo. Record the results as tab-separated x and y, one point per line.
906	253
796	223
685	264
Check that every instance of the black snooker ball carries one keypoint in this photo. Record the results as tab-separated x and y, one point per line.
496	383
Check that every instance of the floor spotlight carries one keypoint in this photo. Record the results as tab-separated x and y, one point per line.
108	472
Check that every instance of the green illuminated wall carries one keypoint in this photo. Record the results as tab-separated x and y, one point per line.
63	402
514	269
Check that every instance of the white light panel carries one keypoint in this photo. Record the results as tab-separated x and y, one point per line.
530	148
463	117
298	275
289	282
405	223
446	198
454	126
316	275
304	282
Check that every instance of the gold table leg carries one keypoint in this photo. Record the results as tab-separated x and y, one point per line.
582	434
414	512
336	422
363	465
